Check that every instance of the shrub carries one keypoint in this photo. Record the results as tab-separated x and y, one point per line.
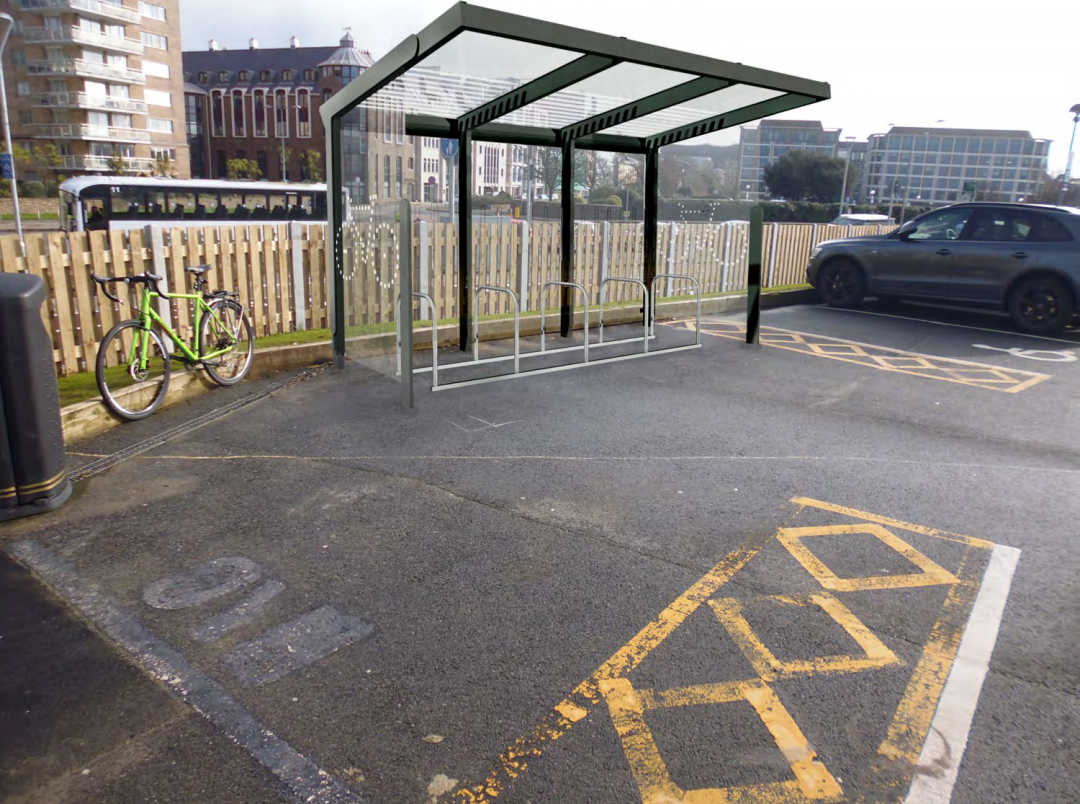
612	200
33	189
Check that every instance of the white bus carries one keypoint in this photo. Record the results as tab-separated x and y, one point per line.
122	202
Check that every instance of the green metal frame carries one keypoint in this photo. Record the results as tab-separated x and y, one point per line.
597	52
148	316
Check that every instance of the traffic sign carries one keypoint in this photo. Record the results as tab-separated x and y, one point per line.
7	168
448	148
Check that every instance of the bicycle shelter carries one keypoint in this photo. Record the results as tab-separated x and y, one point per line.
486	76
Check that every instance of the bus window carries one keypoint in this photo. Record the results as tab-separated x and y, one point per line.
299	206
95	214
207	205
256	206
278	206
180	206
125	203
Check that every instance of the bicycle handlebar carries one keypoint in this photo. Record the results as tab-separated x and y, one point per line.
139	279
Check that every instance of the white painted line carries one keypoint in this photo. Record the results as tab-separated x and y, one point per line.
945	744
946	323
309	783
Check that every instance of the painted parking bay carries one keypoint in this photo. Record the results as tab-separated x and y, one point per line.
777	677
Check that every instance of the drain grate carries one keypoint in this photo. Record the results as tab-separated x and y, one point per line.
101	464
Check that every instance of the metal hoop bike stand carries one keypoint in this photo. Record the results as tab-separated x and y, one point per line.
645	298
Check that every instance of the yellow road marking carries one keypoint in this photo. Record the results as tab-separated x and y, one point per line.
515	759
813	782
770	668
854	513
948	369
932	574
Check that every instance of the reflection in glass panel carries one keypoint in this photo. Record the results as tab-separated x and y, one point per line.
715	103
600	93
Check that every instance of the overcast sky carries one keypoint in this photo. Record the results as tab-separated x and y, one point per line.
971	63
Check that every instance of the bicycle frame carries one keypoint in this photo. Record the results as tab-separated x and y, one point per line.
149	316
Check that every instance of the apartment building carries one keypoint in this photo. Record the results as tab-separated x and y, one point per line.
765	143
102	81
945	165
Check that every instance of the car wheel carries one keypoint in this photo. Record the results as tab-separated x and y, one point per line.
1041	305
841	283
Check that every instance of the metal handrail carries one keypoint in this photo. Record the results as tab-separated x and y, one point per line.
434	340
697	288
517	322
543	315
644	295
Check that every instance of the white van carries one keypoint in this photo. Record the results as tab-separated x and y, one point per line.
861	219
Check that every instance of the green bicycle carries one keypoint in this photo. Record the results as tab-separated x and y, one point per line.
136	387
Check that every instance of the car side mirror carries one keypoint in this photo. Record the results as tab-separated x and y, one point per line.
905	236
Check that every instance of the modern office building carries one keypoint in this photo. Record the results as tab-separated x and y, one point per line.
765	143
101	80
945	165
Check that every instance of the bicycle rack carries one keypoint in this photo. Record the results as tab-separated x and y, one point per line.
697	289
644	296
476	326
434	367
543	320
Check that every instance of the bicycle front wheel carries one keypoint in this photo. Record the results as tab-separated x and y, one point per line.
133	370
226	329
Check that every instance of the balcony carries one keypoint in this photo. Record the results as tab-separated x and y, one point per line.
83	100
100	164
85	131
86	69
74	35
88	8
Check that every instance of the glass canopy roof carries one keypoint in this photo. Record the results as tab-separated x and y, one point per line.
513	79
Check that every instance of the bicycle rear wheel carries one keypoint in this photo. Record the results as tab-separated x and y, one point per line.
227	329
136	384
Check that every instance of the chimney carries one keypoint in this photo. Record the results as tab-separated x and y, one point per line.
294	43
253	43
213	46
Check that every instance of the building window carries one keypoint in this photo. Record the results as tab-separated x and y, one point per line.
157	97
204	78
217	114
326	93
155	69
223	77
26	118
222	164
23	88
155	40
263	162
163	153
286	75
18	57
244	76
303	114
266	76
259	109
309	75
152	11
281	113
386	177
160	124
410	163
238	122
375	180
397	182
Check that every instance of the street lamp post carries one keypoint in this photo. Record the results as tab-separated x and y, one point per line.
847	168
7	128
1075	111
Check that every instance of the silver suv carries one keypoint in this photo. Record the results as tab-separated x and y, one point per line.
1020	257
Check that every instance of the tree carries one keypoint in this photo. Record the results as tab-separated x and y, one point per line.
1050	191
237	169
550	169
805	176
312	166
284	157
117	165
162	164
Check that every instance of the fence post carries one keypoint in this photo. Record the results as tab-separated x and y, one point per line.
772	254
814	237
296	250
422	236
523	266
605	253
725	260
156	236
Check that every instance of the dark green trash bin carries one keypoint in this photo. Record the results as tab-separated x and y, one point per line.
33	477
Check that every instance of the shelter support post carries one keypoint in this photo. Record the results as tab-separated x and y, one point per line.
652	214
465	242
753	280
567	239
405	303
336	202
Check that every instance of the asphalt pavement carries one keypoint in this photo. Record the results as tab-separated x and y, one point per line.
834	566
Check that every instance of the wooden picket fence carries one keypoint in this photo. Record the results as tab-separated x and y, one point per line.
280	270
